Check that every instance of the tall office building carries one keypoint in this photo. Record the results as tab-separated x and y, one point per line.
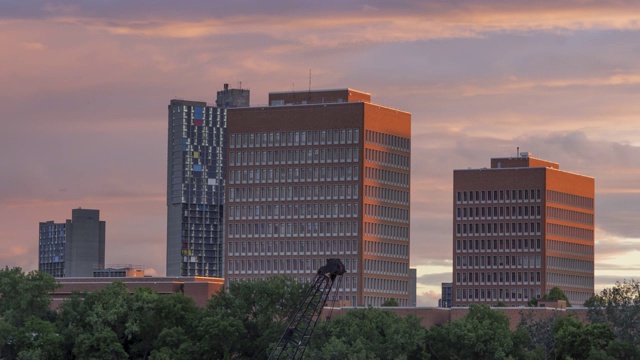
74	248
317	175
195	183
521	228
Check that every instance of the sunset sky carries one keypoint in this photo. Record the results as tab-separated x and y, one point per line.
84	89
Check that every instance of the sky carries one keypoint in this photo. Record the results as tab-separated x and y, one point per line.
84	89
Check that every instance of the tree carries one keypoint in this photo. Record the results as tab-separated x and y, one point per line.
619	307
369	334
390	302
25	313
25	295
574	340
482	334
556	294
261	307
539	330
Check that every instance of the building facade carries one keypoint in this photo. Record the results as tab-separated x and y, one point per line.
446	295
196	173
73	248
318	175
200	289
119	271
521	228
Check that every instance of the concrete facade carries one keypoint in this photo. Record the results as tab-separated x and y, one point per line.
521	228
74	248
320	175
196	171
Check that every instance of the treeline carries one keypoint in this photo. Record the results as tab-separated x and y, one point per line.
245	321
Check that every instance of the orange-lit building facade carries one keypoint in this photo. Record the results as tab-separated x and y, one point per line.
521	228
318	175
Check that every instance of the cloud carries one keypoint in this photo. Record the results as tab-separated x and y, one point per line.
89	84
435	278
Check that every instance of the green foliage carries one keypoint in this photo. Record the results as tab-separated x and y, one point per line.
258	311
25	295
390	302
619	307
369	334
248	318
574	340
482	334
539	329
555	293
25	317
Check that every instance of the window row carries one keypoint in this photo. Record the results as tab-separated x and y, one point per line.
388	159
498	245
305	228
386	249
481	229
561	263
492	294
386	267
271	175
498	277
386	212
288	211
294	156
286	265
288	247
569	199
569	215
293	192
569	248
386	231
391	286
388	140
569	232
387	195
498	212
295	138
579	281
578	297
387	176
498	195
519	261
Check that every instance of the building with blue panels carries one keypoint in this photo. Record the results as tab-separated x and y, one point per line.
73	248
195	183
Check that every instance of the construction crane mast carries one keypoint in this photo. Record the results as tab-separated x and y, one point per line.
295	339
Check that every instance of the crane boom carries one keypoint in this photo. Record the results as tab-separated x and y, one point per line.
295	339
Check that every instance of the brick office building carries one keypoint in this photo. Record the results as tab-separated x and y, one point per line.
317	175
521	228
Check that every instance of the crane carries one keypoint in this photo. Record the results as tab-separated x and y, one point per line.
295	338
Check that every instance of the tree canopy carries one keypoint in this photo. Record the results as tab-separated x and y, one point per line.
246	319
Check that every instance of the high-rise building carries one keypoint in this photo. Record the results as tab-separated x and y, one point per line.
195	183
317	175
74	248
521	228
